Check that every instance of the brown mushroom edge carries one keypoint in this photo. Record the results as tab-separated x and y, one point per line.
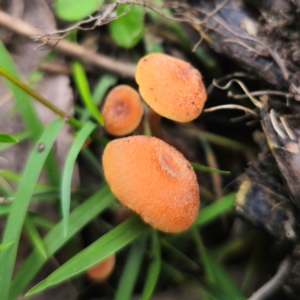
153	179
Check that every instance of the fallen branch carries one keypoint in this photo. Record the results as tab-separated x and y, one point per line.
68	48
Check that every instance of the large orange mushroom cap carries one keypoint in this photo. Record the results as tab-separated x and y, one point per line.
153	179
171	86
122	110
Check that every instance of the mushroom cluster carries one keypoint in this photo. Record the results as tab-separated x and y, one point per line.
145	173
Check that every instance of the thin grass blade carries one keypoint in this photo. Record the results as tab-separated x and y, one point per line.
131	269
55	239
214	210
28	111
39	187
34	236
206	169
154	267
111	242
68	171
84	91
20	136
7	138
23	100
5	246
20	204
101	88
215	274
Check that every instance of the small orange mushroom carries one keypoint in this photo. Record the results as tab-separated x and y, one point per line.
153	179
172	87
122	110
101	270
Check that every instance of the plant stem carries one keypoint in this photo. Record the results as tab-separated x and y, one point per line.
40	98
74	122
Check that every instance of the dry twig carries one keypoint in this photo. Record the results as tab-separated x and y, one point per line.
69	48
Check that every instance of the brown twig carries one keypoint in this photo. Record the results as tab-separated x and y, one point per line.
68	48
106	15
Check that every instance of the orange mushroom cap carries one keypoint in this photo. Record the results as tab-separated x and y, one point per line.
122	110
153	179
102	269
172	87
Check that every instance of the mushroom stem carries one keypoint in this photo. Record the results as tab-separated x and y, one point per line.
154	120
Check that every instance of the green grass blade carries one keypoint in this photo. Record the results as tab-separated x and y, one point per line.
84	91
180	257
23	100
111	242
215	274
131	270
206	169
154	267
5	246
42	222
7	138
55	239
214	210
68	171
27	109
224	281
92	161
20	204
39	187
5	209
208	268
101	88
34	236
20	136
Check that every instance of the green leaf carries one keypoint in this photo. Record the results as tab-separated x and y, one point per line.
204	258
23	100
214	210
131	270
102	86
84	90
55	239
100	89
7	138
199	167
216	276
27	109
71	10
111	242
5	246
154	267
20	204
5	209
68	170
20	136
35	237
39	187
128	29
